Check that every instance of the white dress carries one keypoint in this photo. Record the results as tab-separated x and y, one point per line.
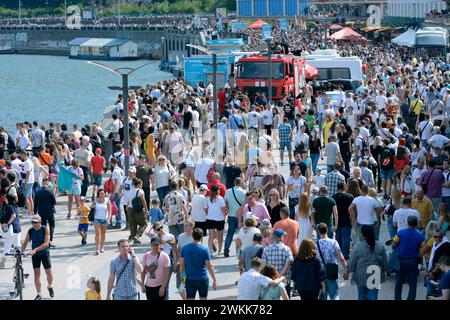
304	229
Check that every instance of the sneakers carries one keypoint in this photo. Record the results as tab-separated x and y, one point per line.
38	297
83	242
117	226
102	250
69	216
51	292
226	254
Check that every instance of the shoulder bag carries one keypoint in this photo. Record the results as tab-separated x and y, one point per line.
121	273
235	198
331	269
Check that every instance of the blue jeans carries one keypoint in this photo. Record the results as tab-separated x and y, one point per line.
436	202
343	237
408	273
293	202
367	294
162	193
232	226
393	263
433	290
320	120
85	182
135	297
332	289
315	160
390	227
176	230
447	201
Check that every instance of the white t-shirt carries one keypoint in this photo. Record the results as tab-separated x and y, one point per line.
117	178
246	236
199	206
381	101
427	129
202	168
253	118
365	208
417	173
250	284
319	181
215	209
127	186
439	141
195	119
401	217
268	117
162	174
28	166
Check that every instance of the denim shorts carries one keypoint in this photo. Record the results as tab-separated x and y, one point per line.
83	227
76	189
192	286
101	221
28	190
387	174
97	180
285	145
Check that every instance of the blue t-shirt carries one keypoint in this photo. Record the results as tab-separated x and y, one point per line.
445	282
195	256
410	241
155	214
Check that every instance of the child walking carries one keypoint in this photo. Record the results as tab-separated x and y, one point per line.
93	291
155	213
83	215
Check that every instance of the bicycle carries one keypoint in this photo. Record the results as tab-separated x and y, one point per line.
19	276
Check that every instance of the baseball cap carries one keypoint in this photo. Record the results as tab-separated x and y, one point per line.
36	218
249	216
132	169
265	224
155	240
82	198
203	187
315	189
279	233
173	126
98	150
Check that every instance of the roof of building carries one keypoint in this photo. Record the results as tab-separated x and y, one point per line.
97	42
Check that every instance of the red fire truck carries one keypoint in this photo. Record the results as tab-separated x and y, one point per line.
288	75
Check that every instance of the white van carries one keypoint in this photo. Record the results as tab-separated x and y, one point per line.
346	71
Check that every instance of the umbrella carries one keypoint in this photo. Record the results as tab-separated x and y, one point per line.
257	24
310	71
345	34
335	27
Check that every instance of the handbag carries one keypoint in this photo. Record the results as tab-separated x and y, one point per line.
91	215
183	164
121	273
331	269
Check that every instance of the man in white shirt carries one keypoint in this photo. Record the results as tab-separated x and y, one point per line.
417	173
363	211
301	137
209	89
201	170
268	119
174	145
117	178
254	122
381	100
425	130
251	282
37	136
199	207
28	180
400	218
438	140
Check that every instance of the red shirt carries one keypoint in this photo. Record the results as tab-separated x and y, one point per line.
222	188
401	164
97	164
222	98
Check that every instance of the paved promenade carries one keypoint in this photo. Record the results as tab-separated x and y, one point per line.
73	263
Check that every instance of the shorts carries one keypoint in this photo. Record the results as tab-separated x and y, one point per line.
285	145
387	174
27	189
97	180
192	286
41	258
101	221
76	189
213	224
83	227
201	225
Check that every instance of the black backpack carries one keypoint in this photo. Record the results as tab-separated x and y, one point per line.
21	199
364	145
387	159
138	207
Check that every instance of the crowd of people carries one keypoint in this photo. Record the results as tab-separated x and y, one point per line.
385	147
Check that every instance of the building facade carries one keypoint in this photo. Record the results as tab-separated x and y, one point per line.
271	8
414	8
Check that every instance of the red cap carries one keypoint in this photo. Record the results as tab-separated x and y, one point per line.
98	150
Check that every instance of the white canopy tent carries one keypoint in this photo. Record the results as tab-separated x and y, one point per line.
407	39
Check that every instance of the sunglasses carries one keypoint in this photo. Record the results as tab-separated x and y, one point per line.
35	222
438	237
159	229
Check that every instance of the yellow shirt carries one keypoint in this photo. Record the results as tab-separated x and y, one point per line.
416	106
89	295
426	211
429	244
150	146
83	212
326	130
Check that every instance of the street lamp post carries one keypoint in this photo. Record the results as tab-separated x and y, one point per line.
124	73
269	66
20	13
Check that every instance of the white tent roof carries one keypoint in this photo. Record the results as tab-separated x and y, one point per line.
407	39
96	42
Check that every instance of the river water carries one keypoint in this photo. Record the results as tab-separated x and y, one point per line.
58	89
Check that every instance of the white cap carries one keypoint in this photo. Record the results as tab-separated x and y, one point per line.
249	216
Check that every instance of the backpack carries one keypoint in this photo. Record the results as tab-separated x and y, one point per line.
210	173
387	160
364	145
21	199
137	203
109	186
